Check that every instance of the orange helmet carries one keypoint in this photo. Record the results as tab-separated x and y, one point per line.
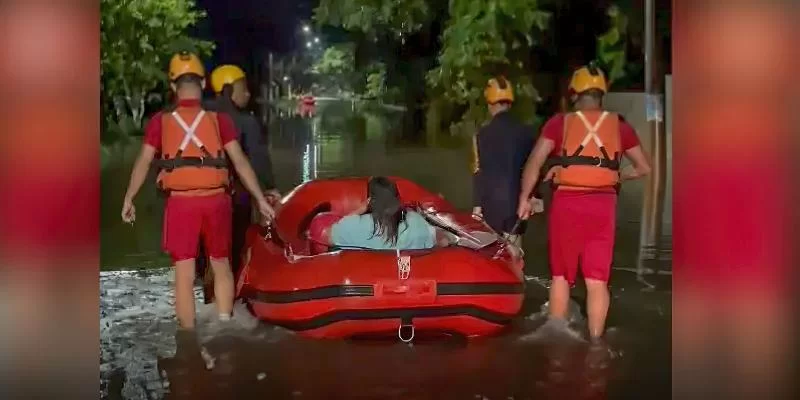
225	75
185	63
588	77
497	90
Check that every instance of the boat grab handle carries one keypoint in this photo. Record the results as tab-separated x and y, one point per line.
400	333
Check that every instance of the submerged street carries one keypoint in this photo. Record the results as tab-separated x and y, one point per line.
142	359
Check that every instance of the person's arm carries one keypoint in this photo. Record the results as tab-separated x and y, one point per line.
525	147
150	146
477	193
140	168
639	167
361	209
633	151
536	160
532	178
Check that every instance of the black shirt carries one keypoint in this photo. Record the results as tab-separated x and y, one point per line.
252	138
503	148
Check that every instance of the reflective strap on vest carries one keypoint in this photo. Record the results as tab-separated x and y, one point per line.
189	131
591	131
189	135
591	134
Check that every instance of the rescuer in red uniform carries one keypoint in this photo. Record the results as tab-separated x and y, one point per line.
195	147
588	145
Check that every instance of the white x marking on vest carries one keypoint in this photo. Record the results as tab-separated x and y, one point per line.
591	131
189	130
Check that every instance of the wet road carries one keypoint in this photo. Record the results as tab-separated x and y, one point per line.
142	359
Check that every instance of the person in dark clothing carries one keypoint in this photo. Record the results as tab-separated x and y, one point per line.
500	149
230	84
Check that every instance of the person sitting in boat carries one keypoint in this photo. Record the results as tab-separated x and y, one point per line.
382	223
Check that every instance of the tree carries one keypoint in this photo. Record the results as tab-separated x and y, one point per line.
378	30
398	17
611	45
337	59
376	81
337	66
481	38
137	39
485	38
612	52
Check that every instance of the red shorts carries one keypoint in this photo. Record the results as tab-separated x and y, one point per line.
581	230
187	218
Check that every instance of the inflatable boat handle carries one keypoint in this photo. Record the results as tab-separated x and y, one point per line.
400	333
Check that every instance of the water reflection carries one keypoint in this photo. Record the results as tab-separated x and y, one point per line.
142	358
309	166
499	368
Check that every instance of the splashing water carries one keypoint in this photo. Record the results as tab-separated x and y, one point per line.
137	327
554	329
559	333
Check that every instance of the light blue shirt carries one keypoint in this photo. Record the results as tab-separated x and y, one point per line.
356	231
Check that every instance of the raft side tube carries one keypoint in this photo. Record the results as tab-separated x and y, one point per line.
337	291
404	314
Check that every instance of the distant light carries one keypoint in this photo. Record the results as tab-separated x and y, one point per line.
316	40
285	78
306	28
308	44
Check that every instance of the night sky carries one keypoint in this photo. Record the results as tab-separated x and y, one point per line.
246	30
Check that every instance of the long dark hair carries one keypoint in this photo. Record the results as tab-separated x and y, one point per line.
385	208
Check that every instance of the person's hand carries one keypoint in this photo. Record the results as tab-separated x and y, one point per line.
524	210
128	211
477	213
537	205
362	208
267	212
272	195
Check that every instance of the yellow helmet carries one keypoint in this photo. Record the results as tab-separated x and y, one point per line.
185	63
225	75
498	89
588	77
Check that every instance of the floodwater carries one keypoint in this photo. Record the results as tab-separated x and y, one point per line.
141	357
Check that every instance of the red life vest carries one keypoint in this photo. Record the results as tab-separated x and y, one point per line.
193	160
590	151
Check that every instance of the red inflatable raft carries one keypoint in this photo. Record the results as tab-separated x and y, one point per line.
472	288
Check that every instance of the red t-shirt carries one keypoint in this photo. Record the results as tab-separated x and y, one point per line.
553	130
152	132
